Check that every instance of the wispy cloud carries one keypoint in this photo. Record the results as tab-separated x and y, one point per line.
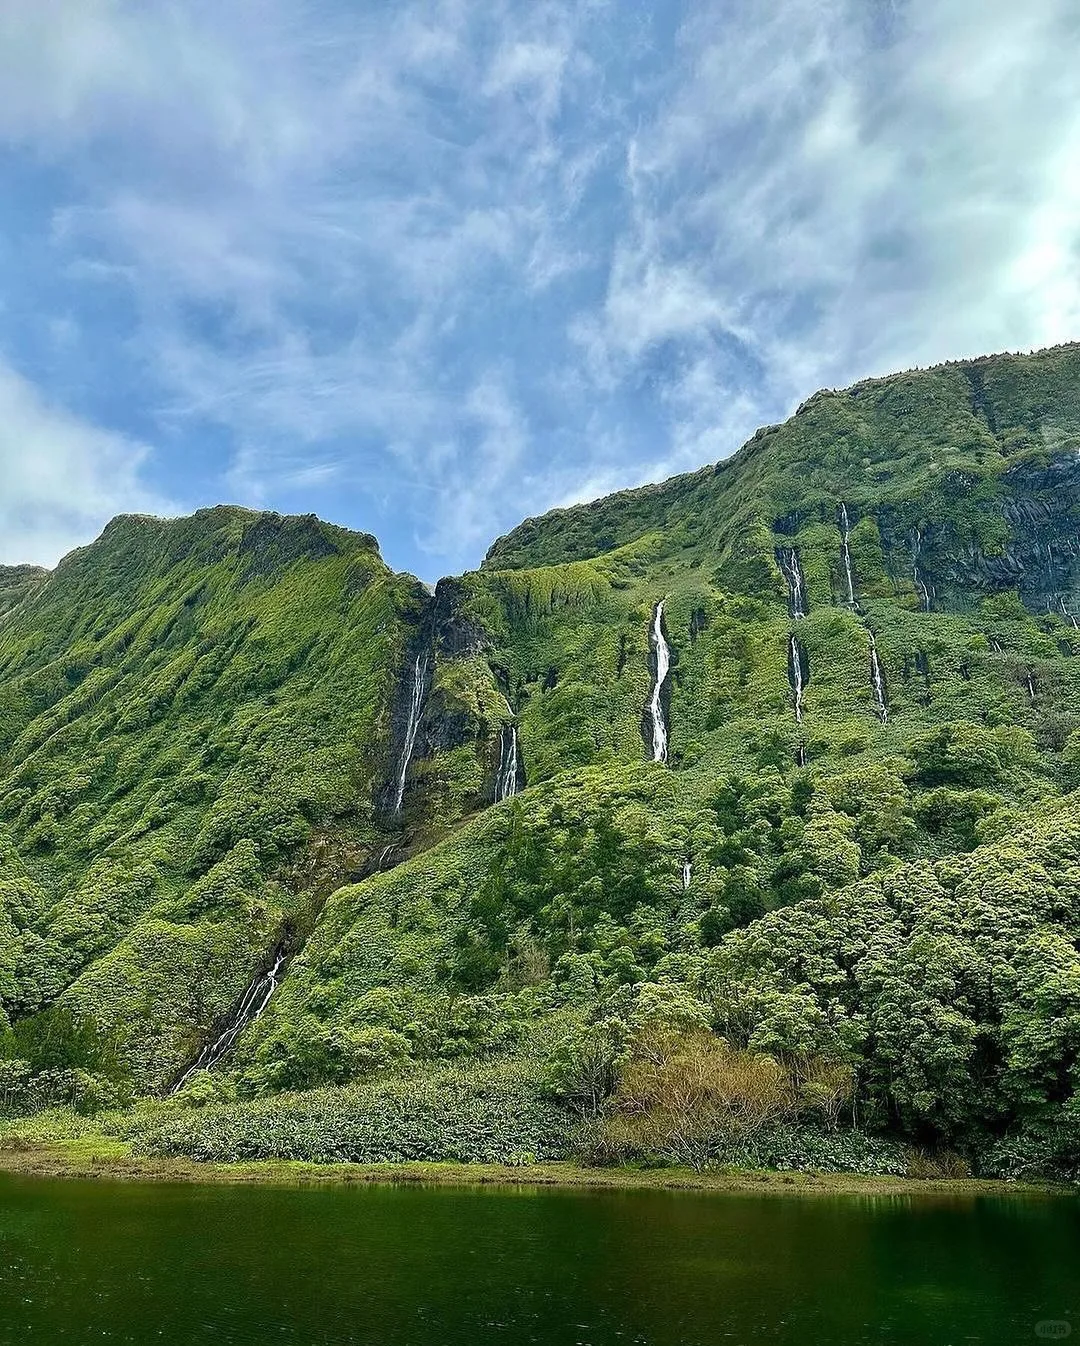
431	266
62	478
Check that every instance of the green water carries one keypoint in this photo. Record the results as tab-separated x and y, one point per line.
113	1262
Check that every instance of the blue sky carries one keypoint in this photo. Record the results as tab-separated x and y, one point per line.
428	268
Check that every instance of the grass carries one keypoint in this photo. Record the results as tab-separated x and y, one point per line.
97	1157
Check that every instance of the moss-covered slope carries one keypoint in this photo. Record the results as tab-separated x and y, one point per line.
872	711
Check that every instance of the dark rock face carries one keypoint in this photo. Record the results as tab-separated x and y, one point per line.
1041	505
1040	557
455	634
444	633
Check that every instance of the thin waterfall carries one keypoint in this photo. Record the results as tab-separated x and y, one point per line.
1066	613
1031	686
877	683
788	559
252	1004
797	676
845	534
416	706
506	782
686	871
921	587
662	654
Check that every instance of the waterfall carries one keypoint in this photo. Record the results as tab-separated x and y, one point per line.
920	584
254	1000
1031	686
416	706
788	559
800	755
506	782
797	677
845	533
1066	613
663	664
686	869
877	682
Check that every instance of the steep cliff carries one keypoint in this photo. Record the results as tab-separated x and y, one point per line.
260	791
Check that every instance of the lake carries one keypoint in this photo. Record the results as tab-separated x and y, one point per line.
109	1262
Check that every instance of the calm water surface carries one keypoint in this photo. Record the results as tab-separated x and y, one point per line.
115	1262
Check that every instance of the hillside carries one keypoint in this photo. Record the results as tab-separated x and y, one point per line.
441	857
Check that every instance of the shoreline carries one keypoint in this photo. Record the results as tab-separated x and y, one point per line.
113	1163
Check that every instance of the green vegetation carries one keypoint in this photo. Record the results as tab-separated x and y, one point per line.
835	943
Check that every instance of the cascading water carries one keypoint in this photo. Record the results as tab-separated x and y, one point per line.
1066	613
506	782
845	533
921	587
662	654
1031	686
251	1006
686	871
788	559
797	675
877	683
416	706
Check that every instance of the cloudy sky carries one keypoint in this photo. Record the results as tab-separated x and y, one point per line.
427	268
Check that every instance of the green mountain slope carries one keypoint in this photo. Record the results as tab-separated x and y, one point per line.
238	742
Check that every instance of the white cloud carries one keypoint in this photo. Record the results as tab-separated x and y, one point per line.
838	188
463	262
63	478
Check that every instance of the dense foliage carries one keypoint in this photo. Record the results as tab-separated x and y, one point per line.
797	934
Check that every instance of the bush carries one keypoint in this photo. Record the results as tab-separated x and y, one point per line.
491	1114
687	1096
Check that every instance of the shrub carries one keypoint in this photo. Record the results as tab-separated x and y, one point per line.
685	1096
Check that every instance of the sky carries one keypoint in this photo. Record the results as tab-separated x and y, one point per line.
428	268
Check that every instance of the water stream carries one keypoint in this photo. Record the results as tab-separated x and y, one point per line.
662	654
788	559
506	782
845	533
250	1007
416	706
877	683
921	587
798	676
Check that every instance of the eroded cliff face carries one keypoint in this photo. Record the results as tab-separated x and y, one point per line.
448	719
208	724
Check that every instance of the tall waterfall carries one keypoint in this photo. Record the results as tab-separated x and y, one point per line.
797	675
791	570
845	533
1066	613
662	654
254	1000
416	706
921	587
506	782
877	683
687	870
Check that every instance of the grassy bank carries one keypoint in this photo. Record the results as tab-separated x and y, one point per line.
104	1158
